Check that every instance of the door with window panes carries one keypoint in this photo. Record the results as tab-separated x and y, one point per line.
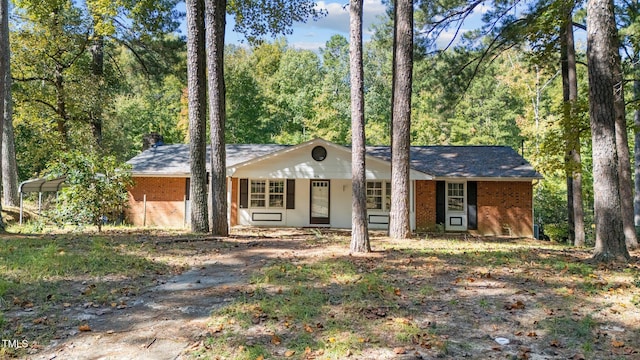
456	206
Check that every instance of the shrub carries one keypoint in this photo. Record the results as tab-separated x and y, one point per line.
557	232
96	188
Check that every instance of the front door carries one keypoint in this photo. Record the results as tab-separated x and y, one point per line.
319	202
456	206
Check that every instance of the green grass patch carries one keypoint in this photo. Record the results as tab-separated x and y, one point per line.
49	273
577	331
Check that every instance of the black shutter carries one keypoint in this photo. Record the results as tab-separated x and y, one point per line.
440	202
291	193
244	193
472	205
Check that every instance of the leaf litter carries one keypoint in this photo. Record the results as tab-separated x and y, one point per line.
430	298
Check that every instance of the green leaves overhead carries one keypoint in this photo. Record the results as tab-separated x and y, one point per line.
257	19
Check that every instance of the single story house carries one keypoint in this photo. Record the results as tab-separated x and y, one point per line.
483	189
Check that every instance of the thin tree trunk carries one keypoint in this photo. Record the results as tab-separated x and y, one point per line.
61	108
216	21
399	222
97	69
9	167
197	87
4	66
573	161
359	230
602	51
636	123
624	160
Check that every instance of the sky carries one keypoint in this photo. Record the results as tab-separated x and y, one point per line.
313	35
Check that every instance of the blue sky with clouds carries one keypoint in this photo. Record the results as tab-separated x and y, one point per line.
314	34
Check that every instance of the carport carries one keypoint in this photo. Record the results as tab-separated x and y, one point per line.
40	186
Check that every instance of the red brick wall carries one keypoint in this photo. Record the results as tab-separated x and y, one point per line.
505	205
425	204
165	201
234	201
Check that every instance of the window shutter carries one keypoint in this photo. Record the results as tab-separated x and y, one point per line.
472	205
440	202
244	193
291	193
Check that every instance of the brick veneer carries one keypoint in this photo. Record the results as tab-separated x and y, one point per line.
425	205
165	201
503	207
234	202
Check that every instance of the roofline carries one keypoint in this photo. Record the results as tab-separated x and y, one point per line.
498	178
232	169
166	175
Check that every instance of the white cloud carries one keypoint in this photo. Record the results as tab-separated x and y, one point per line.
311	45
337	18
481	9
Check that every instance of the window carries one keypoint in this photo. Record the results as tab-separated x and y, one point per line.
387	198
258	193
375	198
455	196
271	190
374	195
276	193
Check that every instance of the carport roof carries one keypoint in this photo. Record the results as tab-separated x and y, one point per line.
42	185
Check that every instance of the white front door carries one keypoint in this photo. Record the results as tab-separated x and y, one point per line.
320	205
456	206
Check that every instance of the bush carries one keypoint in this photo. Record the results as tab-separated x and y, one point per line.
557	232
96	188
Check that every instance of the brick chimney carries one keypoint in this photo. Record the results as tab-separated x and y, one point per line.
152	140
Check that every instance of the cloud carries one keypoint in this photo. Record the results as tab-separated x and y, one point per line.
310	45
337	19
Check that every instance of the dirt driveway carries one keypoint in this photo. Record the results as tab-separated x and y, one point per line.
164	320
418	299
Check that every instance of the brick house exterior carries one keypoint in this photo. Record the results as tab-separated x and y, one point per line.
486	190
503	208
157	201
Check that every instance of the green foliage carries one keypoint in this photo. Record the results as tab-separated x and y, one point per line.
245	101
146	104
270	17
96	188
557	232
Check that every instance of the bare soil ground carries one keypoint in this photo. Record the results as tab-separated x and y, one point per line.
475	298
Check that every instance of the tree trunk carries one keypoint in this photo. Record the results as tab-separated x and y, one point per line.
624	159
399	223
636	123
61	108
216	21
359	230
602	51
9	168
97	69
4	66
197	87
573	162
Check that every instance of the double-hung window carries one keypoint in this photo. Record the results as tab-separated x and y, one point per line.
276	193
267	193
378	195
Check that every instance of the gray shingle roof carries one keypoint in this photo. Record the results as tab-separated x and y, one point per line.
174	159
439	161
464	161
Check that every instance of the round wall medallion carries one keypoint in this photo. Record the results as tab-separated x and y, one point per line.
319	153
